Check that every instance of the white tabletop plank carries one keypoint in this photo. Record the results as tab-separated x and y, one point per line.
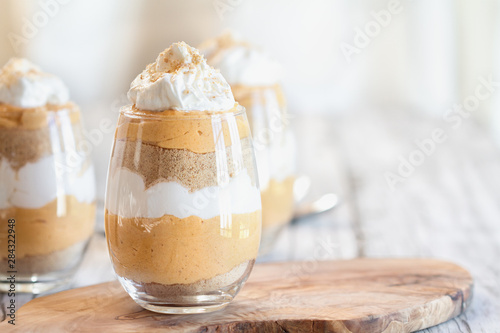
448	208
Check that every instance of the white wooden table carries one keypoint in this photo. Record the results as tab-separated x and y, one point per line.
447	208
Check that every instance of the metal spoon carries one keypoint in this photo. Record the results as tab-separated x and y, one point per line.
324	203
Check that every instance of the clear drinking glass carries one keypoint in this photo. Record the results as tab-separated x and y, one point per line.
183	209
275	152
47	196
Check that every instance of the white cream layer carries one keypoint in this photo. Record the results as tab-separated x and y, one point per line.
37	184
127	197
276	161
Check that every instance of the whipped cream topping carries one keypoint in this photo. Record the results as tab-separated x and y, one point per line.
180	79
24	85
240	62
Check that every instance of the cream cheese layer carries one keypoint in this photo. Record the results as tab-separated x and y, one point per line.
36	184
128	197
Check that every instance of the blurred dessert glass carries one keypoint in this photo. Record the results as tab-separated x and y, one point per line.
47	193
254	80
183	210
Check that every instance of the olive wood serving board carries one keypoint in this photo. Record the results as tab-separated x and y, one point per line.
361	295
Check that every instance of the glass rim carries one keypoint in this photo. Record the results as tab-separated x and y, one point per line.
128	111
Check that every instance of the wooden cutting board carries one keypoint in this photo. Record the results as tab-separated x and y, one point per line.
362	295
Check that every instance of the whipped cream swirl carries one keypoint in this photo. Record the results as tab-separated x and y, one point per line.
240	62
24	85
180	79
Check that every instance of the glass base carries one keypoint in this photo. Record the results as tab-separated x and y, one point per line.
37	287
184	299
39	276
185	307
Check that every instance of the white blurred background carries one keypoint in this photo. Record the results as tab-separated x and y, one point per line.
339	55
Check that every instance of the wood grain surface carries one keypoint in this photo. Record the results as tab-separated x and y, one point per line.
361	295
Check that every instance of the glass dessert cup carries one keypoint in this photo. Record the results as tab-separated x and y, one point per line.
275	153
47	195
183	211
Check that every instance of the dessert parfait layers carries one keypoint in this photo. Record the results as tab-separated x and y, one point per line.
254	80
46	180
183	209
